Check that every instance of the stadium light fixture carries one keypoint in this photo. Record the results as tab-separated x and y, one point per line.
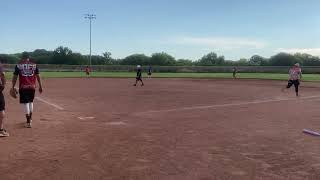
90	17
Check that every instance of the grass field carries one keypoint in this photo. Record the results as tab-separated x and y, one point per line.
306	77
270	76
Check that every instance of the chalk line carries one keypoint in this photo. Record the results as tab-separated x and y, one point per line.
85	118
226	105
49	103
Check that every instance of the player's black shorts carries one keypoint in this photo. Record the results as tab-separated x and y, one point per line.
139	78
296	83
149	73
26	95
2	102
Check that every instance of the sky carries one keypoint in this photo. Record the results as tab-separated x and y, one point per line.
185	29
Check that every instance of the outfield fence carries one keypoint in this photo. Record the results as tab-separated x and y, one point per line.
173	69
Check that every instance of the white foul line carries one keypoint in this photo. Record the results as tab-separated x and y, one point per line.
85	118
49	103
226	105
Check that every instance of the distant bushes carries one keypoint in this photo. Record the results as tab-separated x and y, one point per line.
65	56
173	69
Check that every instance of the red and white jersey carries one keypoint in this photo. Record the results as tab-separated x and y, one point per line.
294	73
27	71
87	70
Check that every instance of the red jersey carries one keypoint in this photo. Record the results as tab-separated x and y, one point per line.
87	69
27	74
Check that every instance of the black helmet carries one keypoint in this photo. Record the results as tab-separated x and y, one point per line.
25	55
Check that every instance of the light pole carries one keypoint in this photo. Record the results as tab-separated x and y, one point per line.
90	17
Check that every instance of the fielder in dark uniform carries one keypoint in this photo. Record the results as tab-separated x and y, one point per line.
234	72
149	71
3	132
139	76
28	73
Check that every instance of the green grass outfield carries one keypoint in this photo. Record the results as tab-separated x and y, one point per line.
271	76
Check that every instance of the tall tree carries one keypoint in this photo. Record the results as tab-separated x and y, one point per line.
282	59
62	51
62	55
307	59
243	62
42	56
257	60
211	59
184	62
136	59
8	59
162	59
108	58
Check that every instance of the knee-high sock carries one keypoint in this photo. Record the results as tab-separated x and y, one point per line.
31	110
27	111
31	107
26	107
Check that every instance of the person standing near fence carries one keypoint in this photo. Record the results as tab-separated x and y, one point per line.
234	72
87	70
149	71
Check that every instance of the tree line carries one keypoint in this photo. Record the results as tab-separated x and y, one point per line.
64	55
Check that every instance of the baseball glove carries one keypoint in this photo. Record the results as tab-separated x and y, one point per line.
13	93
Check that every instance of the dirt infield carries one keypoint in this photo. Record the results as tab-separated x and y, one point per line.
170	129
